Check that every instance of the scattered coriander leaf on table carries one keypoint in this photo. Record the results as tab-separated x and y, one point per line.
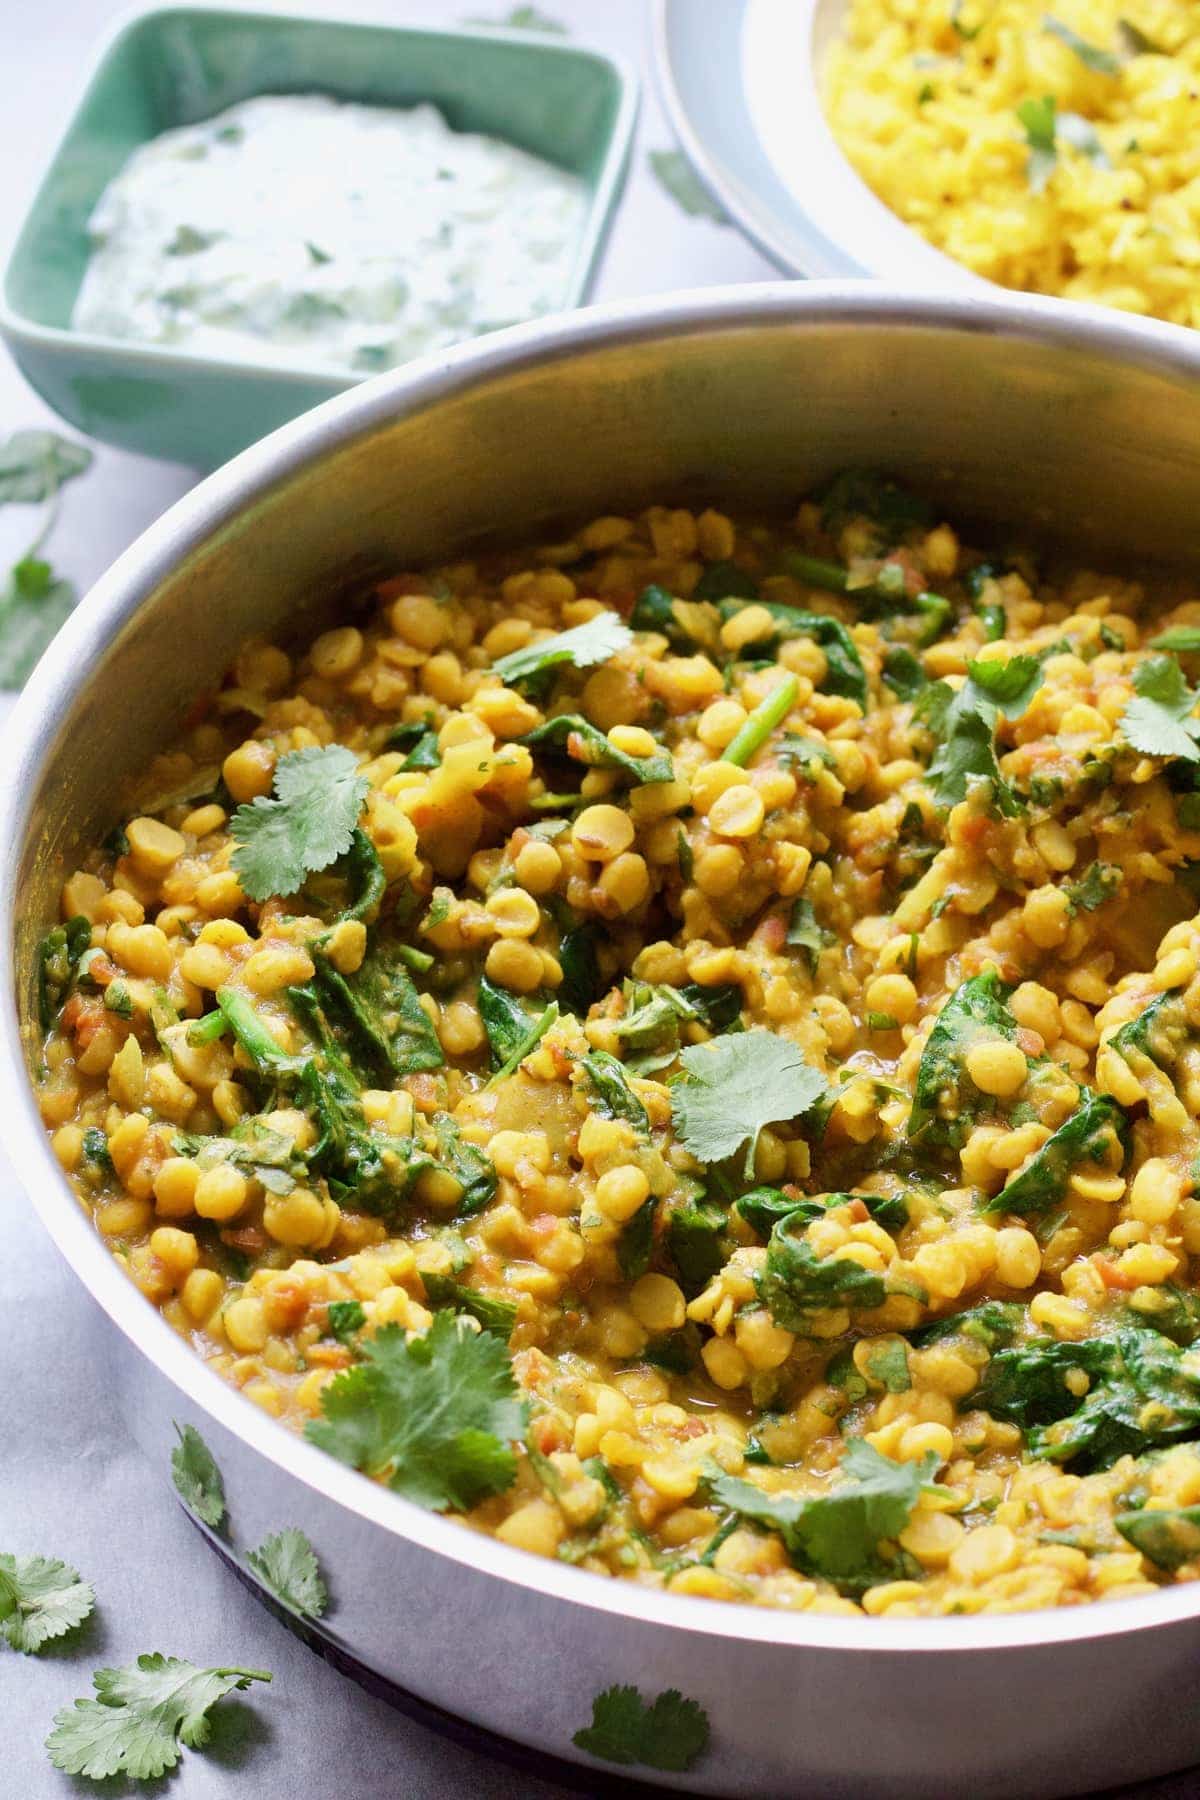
524	18
144	1712
35	464
670	1734
197	1478
674	173
305	826
33	605
596	641
40	1599
736	1085
287	1564
437	1417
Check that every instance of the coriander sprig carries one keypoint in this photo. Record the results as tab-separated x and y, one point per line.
305	826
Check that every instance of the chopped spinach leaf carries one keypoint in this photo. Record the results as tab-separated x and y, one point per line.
797	1283
573	736
1089	1135
1166	1536
945	1099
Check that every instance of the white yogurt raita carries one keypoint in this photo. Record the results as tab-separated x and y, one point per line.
301	229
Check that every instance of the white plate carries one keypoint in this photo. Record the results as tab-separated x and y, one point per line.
739	82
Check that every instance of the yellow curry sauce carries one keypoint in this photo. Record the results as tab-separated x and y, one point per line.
775	1082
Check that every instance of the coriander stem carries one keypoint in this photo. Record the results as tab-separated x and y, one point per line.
253	1035
816	571
206	1030
530	1041
762	722
836	580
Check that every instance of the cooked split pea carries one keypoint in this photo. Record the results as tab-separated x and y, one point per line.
937	1200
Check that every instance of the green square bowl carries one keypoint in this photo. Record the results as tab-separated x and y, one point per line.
176	65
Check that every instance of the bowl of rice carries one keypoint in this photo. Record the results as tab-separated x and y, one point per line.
1051	146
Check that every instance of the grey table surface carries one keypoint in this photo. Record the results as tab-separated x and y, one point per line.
72	1483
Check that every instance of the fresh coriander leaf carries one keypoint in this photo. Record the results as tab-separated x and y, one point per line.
59	955
805	933
736	1085
837	1535
582	647
308	823
674	173
40	1599
887	1365
34	465
1103	62
197	1478
1011	683
671	1733
436	1418
963	724
144	1713
287	1564
1039	118
805	754
496	1316
1098	884
346	1319
1158	722
33	606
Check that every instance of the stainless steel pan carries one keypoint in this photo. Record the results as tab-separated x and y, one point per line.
1015	410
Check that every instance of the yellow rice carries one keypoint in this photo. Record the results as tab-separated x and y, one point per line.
922	96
